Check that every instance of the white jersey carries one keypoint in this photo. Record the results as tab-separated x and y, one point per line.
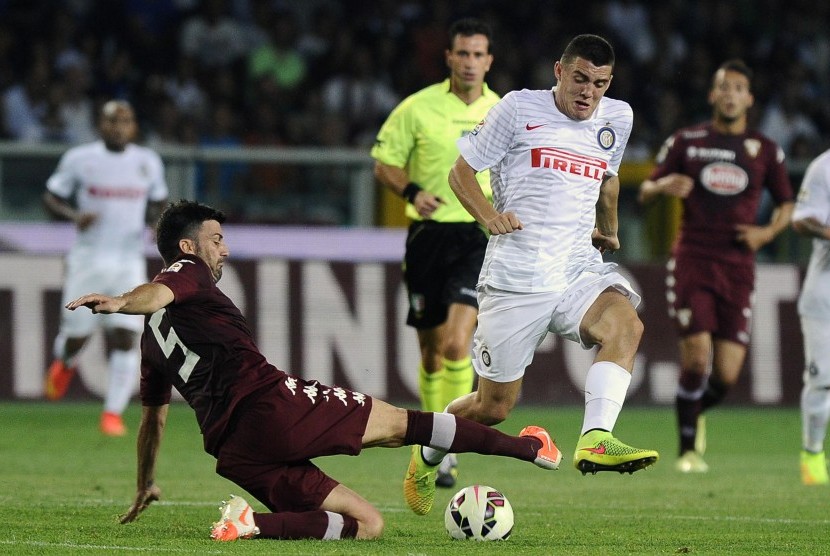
547	169
814	201
116	186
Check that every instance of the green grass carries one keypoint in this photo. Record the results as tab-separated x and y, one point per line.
64	485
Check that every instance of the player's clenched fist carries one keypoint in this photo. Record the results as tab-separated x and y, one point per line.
504	223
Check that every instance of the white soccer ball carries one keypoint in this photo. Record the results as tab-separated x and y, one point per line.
479	512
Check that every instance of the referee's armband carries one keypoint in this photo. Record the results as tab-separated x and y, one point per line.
410	191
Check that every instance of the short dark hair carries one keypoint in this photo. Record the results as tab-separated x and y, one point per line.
737	65
593	48
469	26
181	221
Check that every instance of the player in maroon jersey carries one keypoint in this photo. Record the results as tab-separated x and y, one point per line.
719	169
263	425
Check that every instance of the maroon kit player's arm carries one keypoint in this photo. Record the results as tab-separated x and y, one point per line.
145	299
153	419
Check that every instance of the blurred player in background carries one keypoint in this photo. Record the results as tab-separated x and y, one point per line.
262	425
812	219
110	189
720	170
553	157
415	150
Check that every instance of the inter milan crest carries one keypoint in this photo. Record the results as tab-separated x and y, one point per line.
485	357
606	137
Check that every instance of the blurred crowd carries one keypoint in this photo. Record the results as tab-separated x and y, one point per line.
327	72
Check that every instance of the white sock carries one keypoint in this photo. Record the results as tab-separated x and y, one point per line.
123	374
605	389
443	433
334	531
815	413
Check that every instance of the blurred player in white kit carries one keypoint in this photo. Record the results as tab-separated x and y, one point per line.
812	219
110	189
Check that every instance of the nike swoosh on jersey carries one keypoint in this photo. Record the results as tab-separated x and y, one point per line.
532	127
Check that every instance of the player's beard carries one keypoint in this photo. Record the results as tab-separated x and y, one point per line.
729	119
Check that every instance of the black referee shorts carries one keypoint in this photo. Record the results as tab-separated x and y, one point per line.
441	267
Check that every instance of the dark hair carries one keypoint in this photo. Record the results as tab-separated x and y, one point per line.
469	26
737	65
593	48
181	221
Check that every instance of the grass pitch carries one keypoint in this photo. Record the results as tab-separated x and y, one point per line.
64	486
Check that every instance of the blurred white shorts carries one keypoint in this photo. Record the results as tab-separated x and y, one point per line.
106	276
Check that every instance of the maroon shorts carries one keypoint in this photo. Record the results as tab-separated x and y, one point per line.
268	452
708	296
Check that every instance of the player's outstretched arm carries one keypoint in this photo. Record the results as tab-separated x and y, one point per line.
153	419
145	299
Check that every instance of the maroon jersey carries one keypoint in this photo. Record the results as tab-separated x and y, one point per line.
201	344
730	173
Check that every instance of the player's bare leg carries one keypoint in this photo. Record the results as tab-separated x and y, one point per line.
613	324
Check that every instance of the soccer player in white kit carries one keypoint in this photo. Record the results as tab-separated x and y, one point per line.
110	189
553	157
811	218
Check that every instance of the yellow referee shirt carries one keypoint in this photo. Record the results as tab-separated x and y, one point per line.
419	136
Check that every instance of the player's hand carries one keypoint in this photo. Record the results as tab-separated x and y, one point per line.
143	498
753	237
426	203
605	243
504	223
97	302
85	219
676	185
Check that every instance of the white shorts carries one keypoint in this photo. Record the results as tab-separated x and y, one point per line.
511	325
816	334
100	276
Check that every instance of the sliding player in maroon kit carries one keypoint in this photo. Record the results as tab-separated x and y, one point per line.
263	425
720	170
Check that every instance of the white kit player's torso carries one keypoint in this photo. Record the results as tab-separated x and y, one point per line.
116	186
814	201
108	256
547	169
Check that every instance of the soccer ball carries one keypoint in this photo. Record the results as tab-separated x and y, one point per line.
479	512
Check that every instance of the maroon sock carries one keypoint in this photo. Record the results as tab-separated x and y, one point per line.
714	393
687	414
305	525
471	437
688	408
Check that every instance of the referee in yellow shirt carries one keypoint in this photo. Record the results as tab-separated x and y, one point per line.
414	152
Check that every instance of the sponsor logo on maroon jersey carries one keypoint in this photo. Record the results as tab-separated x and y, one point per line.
564	161
724	178
709	153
